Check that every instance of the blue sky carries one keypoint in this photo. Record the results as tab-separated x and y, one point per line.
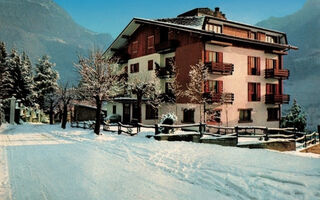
111	16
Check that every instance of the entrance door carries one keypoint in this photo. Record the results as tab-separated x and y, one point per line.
126	113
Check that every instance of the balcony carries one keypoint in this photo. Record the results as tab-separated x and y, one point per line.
220	68
168	97
277	99
167	46
164	72
221	98
277	73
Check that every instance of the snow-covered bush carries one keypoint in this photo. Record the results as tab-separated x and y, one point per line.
170	116
169	119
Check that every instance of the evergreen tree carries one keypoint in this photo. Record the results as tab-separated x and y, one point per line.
45	80
26	70
16	78
2	117
295	118
3	56
11	76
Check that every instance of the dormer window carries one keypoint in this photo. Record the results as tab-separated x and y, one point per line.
270	39
214	28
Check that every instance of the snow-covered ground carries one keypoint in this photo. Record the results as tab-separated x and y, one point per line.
46	162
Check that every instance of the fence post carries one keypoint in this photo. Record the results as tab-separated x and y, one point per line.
267	134
305	140
156	129
119	129
201	128
237	133
138	128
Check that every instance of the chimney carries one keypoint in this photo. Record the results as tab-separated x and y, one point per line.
217	13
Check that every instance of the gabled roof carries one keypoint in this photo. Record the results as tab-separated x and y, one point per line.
194	24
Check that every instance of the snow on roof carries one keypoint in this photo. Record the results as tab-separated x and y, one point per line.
192	22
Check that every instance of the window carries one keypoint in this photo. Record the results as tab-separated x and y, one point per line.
134	68
271	89
214	28
168	88
135	111
212	56
254	65
245	115
150	65
270	39
252	35
213	86
151	42
188	115
254	92
272	64
151	112
114	109
273	114
134	47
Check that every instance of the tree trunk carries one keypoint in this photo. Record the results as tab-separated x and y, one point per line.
51	113
64	116
98	116
139	102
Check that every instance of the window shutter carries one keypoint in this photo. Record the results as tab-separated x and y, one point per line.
258	91
207	56
220	57
258	65
249	65
277	64
268	89
220	87
277	89
267	64
250	89
207	89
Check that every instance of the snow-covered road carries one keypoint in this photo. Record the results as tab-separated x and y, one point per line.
46	162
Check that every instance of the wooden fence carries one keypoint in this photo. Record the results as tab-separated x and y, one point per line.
265	133
83	124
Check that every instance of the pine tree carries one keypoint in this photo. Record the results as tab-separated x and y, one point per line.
2	117
3	56
45	80
295	118
27	75
16	79
11	77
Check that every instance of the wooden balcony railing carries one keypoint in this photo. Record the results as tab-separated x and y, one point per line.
219	97
277	73
167	45
220	68
277	99
164	72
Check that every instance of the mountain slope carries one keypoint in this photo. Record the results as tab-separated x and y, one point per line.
42	27
303	30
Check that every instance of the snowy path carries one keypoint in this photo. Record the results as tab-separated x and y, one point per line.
48	163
